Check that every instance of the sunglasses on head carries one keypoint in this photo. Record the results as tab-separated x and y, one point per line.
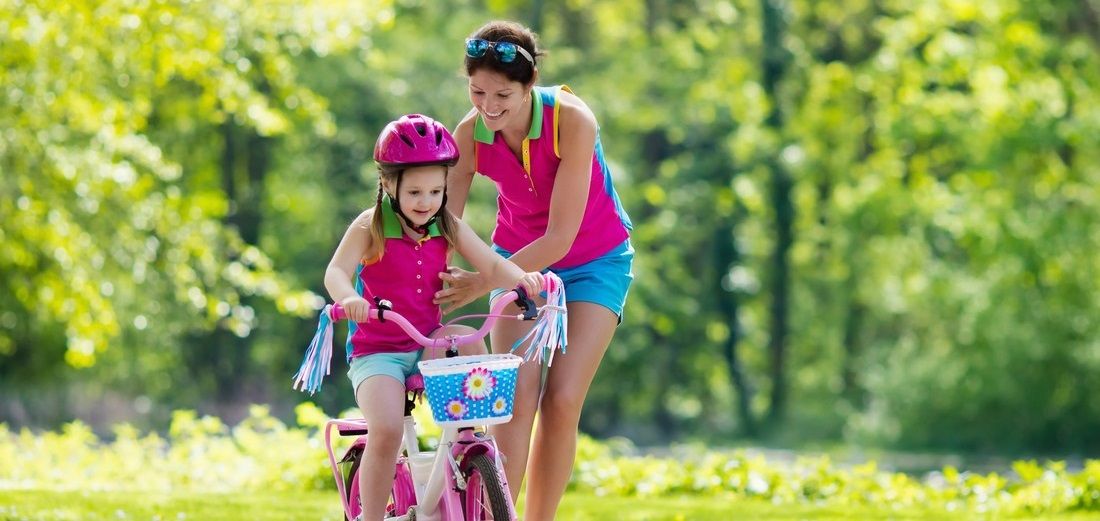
505	51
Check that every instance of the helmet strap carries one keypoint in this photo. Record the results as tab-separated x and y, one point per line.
423	230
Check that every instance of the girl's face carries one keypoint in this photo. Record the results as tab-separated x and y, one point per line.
500	101
421	192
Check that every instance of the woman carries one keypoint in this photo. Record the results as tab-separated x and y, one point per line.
557	209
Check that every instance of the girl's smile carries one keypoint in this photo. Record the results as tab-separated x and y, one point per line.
420	193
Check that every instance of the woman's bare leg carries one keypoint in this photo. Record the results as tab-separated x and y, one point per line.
514	438
591	327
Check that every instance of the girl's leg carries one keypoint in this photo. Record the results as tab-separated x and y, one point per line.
384	424
591	327
514	438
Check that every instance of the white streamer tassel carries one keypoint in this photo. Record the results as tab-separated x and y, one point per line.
549	333
317	362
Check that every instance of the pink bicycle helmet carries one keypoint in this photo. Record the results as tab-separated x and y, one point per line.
415	139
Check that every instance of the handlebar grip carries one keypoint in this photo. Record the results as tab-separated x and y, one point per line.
525	303
337	312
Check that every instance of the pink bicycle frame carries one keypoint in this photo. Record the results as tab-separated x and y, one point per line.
437	498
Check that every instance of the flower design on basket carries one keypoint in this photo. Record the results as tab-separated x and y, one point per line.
456	408
500	405
479	383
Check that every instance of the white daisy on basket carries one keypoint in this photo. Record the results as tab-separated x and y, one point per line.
456	409
500	406
479	384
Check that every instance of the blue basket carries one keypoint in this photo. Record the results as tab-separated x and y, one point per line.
465	391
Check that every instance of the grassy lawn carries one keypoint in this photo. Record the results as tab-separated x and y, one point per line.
41	505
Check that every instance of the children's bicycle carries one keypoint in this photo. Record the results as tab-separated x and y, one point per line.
464	478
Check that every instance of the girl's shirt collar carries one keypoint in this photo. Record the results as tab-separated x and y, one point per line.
391	223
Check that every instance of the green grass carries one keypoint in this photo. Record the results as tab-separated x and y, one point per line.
41	505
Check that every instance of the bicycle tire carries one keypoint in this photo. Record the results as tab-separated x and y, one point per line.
485	496
351	481
402	494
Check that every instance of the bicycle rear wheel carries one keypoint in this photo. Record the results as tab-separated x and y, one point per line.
485	496
402	495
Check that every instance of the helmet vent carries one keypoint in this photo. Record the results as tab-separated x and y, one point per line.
415	139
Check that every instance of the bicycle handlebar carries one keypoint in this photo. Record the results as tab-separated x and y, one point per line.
518	295
547	335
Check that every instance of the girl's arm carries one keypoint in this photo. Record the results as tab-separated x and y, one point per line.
341	268
569	197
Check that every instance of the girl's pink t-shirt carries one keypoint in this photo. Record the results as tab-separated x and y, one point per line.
408	276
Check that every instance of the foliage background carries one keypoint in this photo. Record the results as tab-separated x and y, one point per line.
867	221
202	460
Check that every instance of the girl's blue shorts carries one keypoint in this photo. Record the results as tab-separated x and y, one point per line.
604	280
399	366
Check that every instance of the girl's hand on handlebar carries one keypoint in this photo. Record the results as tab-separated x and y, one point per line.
356	308
532	282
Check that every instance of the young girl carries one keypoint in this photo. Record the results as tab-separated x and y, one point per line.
396	251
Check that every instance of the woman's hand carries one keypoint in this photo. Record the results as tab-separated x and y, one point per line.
356	308
462	288
532	282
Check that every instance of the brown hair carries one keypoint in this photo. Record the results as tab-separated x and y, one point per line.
520	69
447	222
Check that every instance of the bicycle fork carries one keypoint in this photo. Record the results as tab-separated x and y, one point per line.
439	496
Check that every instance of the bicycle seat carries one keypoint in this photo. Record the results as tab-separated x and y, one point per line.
415	383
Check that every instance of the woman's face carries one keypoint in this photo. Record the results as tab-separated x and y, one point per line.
500	101
421	192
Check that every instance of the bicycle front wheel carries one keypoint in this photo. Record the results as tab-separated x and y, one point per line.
485	496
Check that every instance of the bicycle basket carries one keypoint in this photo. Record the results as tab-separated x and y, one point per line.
471	390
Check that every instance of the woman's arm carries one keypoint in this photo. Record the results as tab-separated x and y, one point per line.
461	176
569	197
496	271
462	286
567	200
493	271
341	268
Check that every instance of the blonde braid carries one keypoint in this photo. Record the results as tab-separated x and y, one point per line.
375	248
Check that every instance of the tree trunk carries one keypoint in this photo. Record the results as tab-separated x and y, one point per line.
852	388
665	374
726	256
250	205
536	16
775	62
654	13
